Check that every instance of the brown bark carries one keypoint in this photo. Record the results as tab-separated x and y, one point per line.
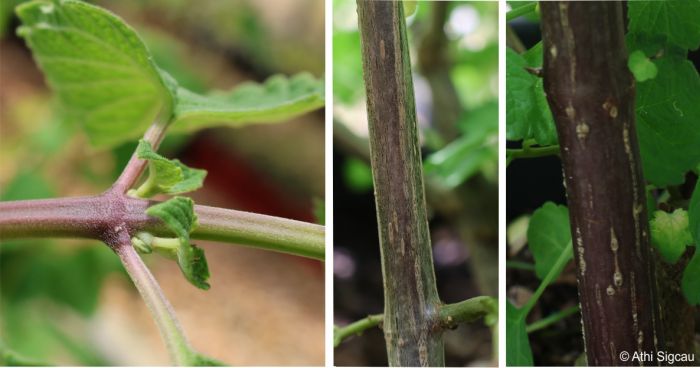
411	328
591	95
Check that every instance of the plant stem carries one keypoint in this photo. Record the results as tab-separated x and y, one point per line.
467	310
92	217
518	265
356	328
532	152
161	310
450	315
267	232
551	319
564	257
411	300
520	11
591	94
131	173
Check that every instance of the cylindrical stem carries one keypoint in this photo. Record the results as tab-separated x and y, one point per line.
94	217
411	325
261	231
591	94
154	135
161	310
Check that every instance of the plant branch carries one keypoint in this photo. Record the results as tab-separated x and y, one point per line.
551	319
449	316
94	217
179	348
131	173
548	278
532	152
513	41
467	310
340	334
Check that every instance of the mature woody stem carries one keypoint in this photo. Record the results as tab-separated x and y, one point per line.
411	325
591	94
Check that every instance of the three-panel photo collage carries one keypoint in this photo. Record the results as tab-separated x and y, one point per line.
320	183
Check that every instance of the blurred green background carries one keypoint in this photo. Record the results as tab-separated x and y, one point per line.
454	55
69	302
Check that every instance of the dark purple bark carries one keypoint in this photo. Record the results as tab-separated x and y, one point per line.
591	94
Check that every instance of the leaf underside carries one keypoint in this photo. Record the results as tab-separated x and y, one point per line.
98	67
106	80
278	98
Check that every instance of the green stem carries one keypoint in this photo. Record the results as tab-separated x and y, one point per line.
449	316
161	310
90	217
552	318
355	328
564	257
518	265
467	310
267	232
531	152
131	173
520	11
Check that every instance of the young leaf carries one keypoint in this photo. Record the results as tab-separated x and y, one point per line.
279	98
97	65
518	351
166	176
694	215
641	67
549	236
670	234
677	20
668	121
690	284
178	215
527	112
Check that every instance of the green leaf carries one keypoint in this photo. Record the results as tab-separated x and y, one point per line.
690	284
518	351
166	176
549	236
668	121
670	234
677	20
178	215
641	67
461	159
357	175
279	98
99	68
527	112
45	270
694	215
27	184
347	67
475	151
